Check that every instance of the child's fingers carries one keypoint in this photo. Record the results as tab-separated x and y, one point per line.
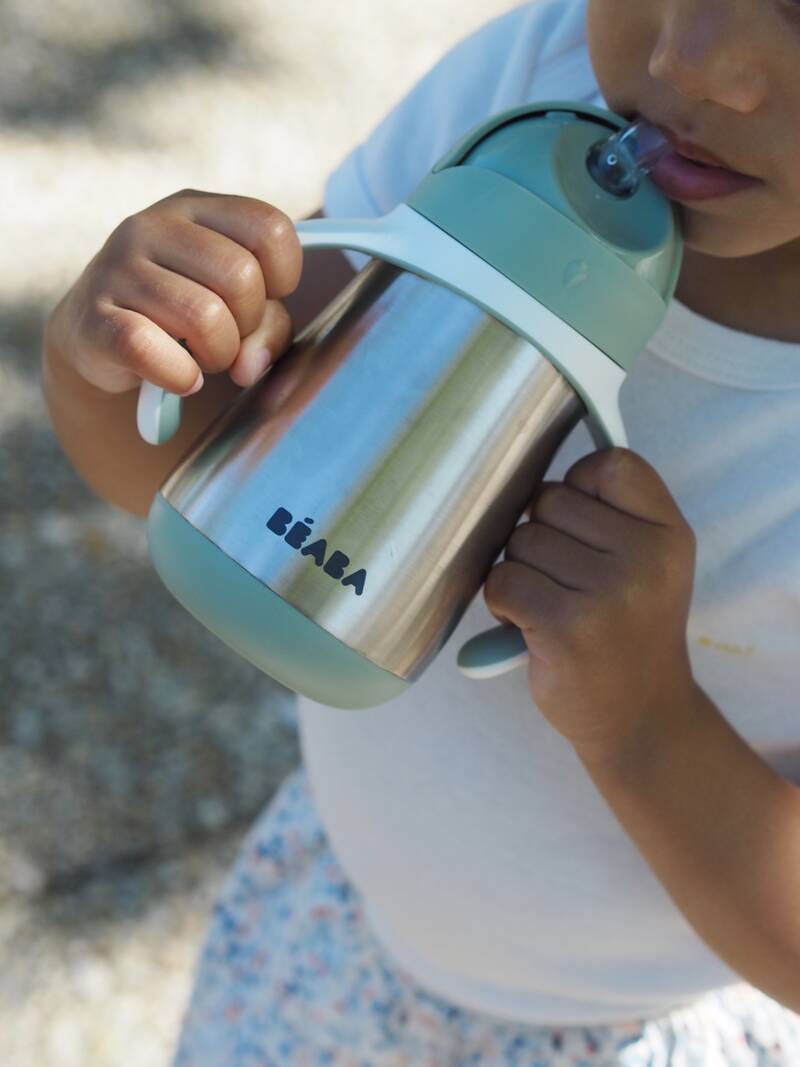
182	308
207	268
215	262
263	346
134	348
266	231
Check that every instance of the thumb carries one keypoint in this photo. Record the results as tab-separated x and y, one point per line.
626	481
259	350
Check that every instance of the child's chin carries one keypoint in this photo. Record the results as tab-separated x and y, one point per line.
706	229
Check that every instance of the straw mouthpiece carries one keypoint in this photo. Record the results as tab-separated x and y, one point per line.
620	162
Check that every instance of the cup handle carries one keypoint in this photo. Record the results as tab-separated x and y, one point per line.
493	652
158	414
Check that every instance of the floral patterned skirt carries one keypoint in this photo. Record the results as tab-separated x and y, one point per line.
291	976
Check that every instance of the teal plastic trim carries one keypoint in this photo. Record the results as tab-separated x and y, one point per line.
462	148
516	191
547	255
258	624
547	157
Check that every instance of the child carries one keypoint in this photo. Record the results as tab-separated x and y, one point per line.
595	862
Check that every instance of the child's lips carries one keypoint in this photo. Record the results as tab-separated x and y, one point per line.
683	179
691	172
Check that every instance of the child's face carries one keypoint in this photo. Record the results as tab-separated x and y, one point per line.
724	74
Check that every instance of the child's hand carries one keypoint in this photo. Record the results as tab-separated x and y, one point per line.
600	583
202	267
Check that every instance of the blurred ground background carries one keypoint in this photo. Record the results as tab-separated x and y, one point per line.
135	748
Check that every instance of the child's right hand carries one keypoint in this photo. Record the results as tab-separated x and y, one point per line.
203	267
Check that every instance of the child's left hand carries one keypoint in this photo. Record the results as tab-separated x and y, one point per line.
600	583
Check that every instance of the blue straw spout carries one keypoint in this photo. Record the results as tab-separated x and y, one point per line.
619	163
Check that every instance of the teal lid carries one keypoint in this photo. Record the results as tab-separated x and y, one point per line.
516	191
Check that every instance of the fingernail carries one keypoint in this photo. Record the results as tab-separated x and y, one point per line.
198	385
262	361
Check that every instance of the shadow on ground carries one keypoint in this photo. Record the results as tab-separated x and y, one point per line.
127	731
48	80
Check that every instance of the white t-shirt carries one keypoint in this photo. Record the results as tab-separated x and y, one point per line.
492	868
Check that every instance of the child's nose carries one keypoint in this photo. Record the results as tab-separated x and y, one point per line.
705	51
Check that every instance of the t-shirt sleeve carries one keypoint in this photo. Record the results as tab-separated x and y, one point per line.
458	92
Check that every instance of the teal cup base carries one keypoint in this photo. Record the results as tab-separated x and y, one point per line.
258	624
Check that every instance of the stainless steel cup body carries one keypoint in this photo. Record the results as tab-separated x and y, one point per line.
372	478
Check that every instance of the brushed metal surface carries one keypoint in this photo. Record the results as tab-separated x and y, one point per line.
407	430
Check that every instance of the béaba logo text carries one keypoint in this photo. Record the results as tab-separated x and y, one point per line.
297	536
